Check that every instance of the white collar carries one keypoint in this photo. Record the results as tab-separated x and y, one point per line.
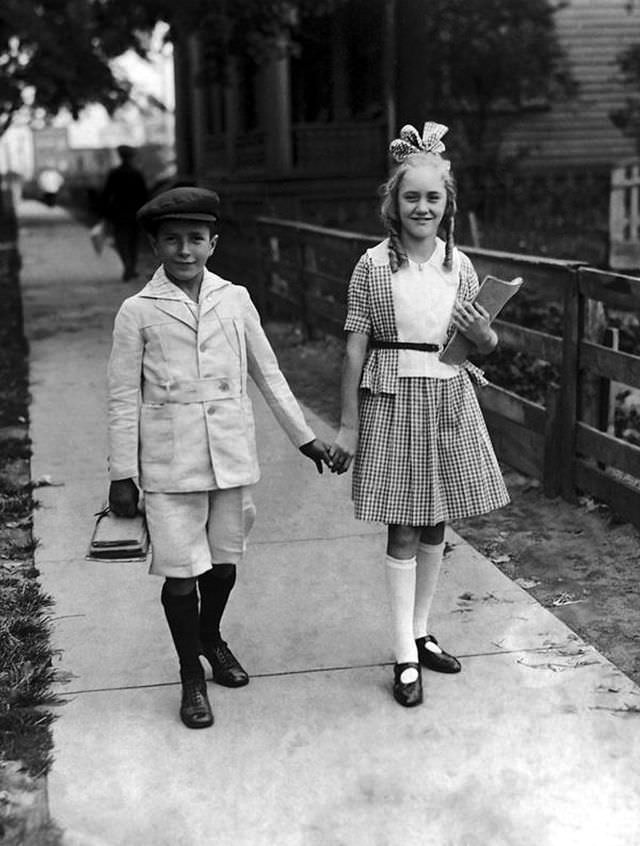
160	287
379	255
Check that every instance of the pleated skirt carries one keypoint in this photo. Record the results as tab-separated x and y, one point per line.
424	455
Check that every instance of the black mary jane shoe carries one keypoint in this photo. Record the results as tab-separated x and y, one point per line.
441	662
225	667
409	694
195	708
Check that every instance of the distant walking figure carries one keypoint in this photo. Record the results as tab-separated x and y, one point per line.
411	422
124	193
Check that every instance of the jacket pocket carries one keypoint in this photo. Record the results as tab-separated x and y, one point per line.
156	434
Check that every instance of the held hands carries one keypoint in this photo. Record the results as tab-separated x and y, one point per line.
474	323
317	451
343	449
123	497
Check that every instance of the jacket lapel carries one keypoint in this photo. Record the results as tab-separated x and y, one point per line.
169	299
179	310
212	290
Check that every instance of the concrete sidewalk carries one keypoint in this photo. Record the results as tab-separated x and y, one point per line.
535	743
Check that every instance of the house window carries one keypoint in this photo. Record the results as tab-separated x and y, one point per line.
336	71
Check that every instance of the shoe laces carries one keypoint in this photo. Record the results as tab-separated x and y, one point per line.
224	655
194	692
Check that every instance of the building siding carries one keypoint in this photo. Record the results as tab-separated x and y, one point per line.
580	131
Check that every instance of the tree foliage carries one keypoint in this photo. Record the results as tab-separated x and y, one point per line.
490	60
53	55
56	54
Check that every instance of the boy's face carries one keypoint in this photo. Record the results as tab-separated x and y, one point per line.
183	247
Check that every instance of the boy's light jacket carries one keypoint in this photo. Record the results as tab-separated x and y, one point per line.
178	403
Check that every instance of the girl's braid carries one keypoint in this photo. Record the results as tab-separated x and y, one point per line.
397	254
450	242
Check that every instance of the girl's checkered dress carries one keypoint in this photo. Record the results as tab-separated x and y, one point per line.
424	454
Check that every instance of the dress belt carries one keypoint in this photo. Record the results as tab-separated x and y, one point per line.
404	345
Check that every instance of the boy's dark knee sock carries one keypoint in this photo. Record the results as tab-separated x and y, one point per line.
215	587
181	611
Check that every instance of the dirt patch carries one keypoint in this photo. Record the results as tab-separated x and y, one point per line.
577	561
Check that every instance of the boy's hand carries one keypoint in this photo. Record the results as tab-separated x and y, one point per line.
343	449
123	497
317	451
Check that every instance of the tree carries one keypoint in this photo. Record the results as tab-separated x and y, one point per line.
55	54
482	64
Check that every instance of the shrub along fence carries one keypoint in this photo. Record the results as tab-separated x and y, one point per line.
300	271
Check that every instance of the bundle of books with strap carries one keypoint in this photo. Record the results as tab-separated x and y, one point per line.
119	538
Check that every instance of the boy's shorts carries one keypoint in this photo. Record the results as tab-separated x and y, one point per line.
191	531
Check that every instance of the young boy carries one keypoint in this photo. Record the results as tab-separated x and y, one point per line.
181	423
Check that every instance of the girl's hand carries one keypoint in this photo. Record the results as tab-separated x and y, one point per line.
475	324
343	449
317	451
123	497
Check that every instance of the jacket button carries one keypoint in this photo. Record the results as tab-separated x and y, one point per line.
224	386
211	410
203	347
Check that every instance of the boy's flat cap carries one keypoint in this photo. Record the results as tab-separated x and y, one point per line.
181	204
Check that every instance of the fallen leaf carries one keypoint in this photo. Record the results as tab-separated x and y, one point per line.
501	559
46	481
526	583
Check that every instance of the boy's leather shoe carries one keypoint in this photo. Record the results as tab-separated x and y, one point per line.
226	668
195	709
441	662
407	694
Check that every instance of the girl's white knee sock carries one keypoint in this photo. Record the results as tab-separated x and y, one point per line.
401	583
428	562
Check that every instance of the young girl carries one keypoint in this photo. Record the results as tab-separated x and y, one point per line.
422	452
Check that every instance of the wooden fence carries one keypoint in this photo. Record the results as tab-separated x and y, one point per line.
302	272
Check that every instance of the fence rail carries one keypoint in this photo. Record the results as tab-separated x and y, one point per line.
300	271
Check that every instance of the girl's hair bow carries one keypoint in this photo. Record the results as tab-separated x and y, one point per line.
410	141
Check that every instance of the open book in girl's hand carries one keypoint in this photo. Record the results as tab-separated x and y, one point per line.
493	295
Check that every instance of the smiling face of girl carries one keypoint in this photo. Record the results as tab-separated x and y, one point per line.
421	204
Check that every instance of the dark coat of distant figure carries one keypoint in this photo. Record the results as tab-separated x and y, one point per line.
124	192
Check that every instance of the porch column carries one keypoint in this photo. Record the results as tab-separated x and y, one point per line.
183	117
199	121
390	69
231	115
340	74
278	142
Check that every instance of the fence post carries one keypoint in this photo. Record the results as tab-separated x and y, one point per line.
551	460
607	387
302	249
595	324
272	278
261	273
569	377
